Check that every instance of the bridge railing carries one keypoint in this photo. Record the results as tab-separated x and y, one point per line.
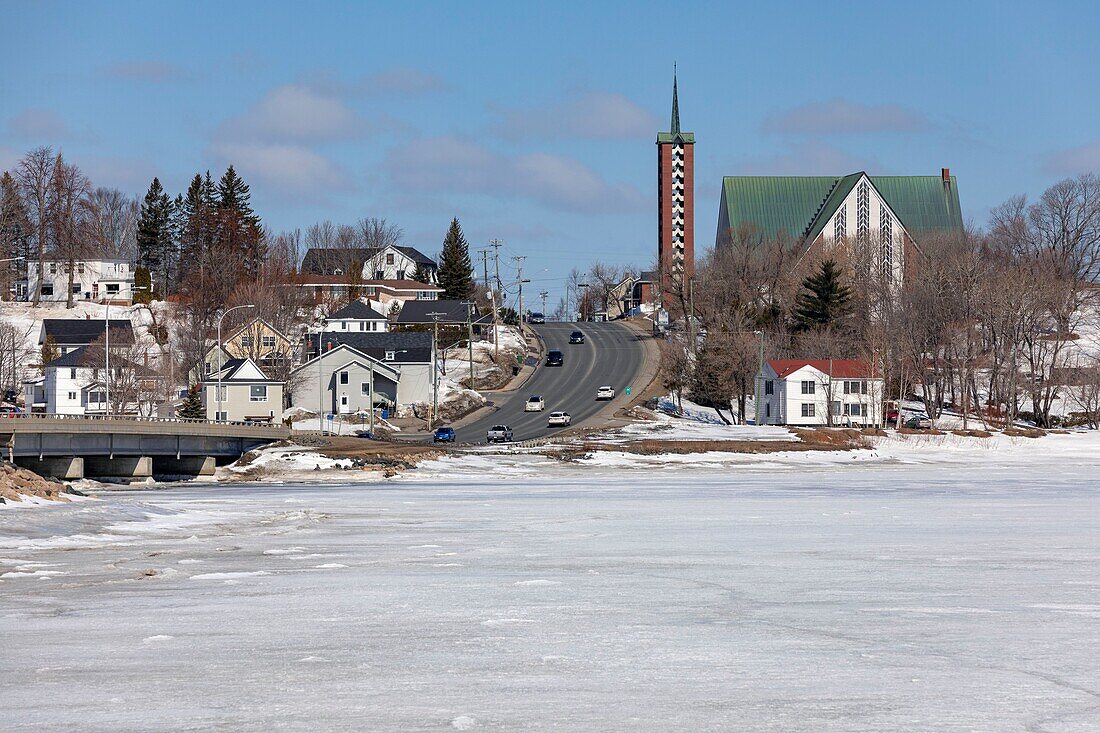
135	419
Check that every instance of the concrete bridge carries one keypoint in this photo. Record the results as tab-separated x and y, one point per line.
129	448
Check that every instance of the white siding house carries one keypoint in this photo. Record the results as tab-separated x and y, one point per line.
73	384
837	392
98	280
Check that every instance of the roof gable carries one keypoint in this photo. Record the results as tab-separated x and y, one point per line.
837	368
357	310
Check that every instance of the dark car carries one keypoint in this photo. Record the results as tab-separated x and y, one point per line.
554	358
444	435
576	337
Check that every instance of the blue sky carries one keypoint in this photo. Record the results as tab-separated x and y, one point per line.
535	123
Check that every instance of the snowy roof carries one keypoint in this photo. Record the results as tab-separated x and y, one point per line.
842	368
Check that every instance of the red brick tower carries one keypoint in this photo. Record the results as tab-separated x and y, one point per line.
676	208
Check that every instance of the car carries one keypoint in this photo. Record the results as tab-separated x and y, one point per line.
891	417
6	411
918	422
498	434
558	419
554	358
537	318
606	392
576	337
534	404
444	435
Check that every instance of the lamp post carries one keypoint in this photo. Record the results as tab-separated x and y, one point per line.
321	376
107	352
582	302
217	413
758	397
435	367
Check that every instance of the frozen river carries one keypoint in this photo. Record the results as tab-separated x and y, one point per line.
873	598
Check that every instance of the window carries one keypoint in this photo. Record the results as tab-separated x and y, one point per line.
343	325
53	268
366	388
246	341
809	387
859	387
343	377
400	274
76	288
769	386
257	393
379	274
854	410
47	289
268	342
836	408
112	288
224	394
343	400
80	267
362	325
72	373
220	416
209	367
97	397
807	409
390	355
337	271
389	259
72	396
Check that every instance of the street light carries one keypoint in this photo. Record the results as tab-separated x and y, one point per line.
321	376
435	367
220	363
581	306
107	351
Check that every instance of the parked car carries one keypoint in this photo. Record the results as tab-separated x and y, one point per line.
606	392
535	403
444	435
576	337
537	318
892	417
558	419
918	422
498	434
554	358
8	411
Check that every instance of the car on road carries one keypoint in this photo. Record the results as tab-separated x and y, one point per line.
918	422
606	392
537	318
558	419
444	435
576	337
498	434
535	403
554	357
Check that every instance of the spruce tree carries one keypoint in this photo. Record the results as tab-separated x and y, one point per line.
233	194
192	407
15	228
155	238
456	272
823	299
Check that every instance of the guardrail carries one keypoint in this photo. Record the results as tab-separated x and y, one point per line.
135	419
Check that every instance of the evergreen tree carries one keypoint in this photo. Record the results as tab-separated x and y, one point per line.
233	194
422	274
155	239
456	272
239	232
192	407
823	300
15	228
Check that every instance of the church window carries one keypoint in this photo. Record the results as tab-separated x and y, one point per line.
863	212
886	225
840	223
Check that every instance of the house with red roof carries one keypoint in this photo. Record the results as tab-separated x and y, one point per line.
808	392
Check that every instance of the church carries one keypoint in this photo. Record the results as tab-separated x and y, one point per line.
889	213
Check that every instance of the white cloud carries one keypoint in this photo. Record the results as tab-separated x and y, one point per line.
287	168
808	159
1075	161
592	115
36	123
295	113
843	117
456	165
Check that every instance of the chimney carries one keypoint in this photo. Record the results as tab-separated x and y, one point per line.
945	173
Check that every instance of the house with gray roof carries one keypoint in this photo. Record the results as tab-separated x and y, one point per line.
246	393
408	356
69	334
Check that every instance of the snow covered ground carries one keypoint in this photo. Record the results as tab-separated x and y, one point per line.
957	591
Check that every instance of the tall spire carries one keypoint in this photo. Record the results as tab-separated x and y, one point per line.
675	104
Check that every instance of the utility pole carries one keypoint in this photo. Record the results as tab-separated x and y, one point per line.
470	338
435	368
494	296
543	295
519	281
485	266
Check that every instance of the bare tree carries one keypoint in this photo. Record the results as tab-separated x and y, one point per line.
34	173
111	223
375	233
68	189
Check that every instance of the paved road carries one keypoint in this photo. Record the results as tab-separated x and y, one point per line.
611	355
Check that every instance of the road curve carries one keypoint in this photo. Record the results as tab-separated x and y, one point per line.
611	355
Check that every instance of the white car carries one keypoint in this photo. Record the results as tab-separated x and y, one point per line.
606	392
557	419
534	404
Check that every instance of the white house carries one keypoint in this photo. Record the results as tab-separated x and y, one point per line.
347	382
836	392
73	384
98	280
408	355
246	393
356	316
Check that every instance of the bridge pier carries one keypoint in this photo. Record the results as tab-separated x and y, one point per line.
184	465
63	468
126	468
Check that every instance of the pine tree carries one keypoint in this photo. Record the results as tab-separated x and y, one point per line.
239	231
192	407
456	272
233	194
155	238
823	300
15	228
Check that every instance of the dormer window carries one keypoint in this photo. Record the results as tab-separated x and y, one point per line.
390	356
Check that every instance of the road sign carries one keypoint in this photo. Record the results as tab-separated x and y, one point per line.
627	390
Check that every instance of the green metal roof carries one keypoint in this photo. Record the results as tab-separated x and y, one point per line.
801	206
672	137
